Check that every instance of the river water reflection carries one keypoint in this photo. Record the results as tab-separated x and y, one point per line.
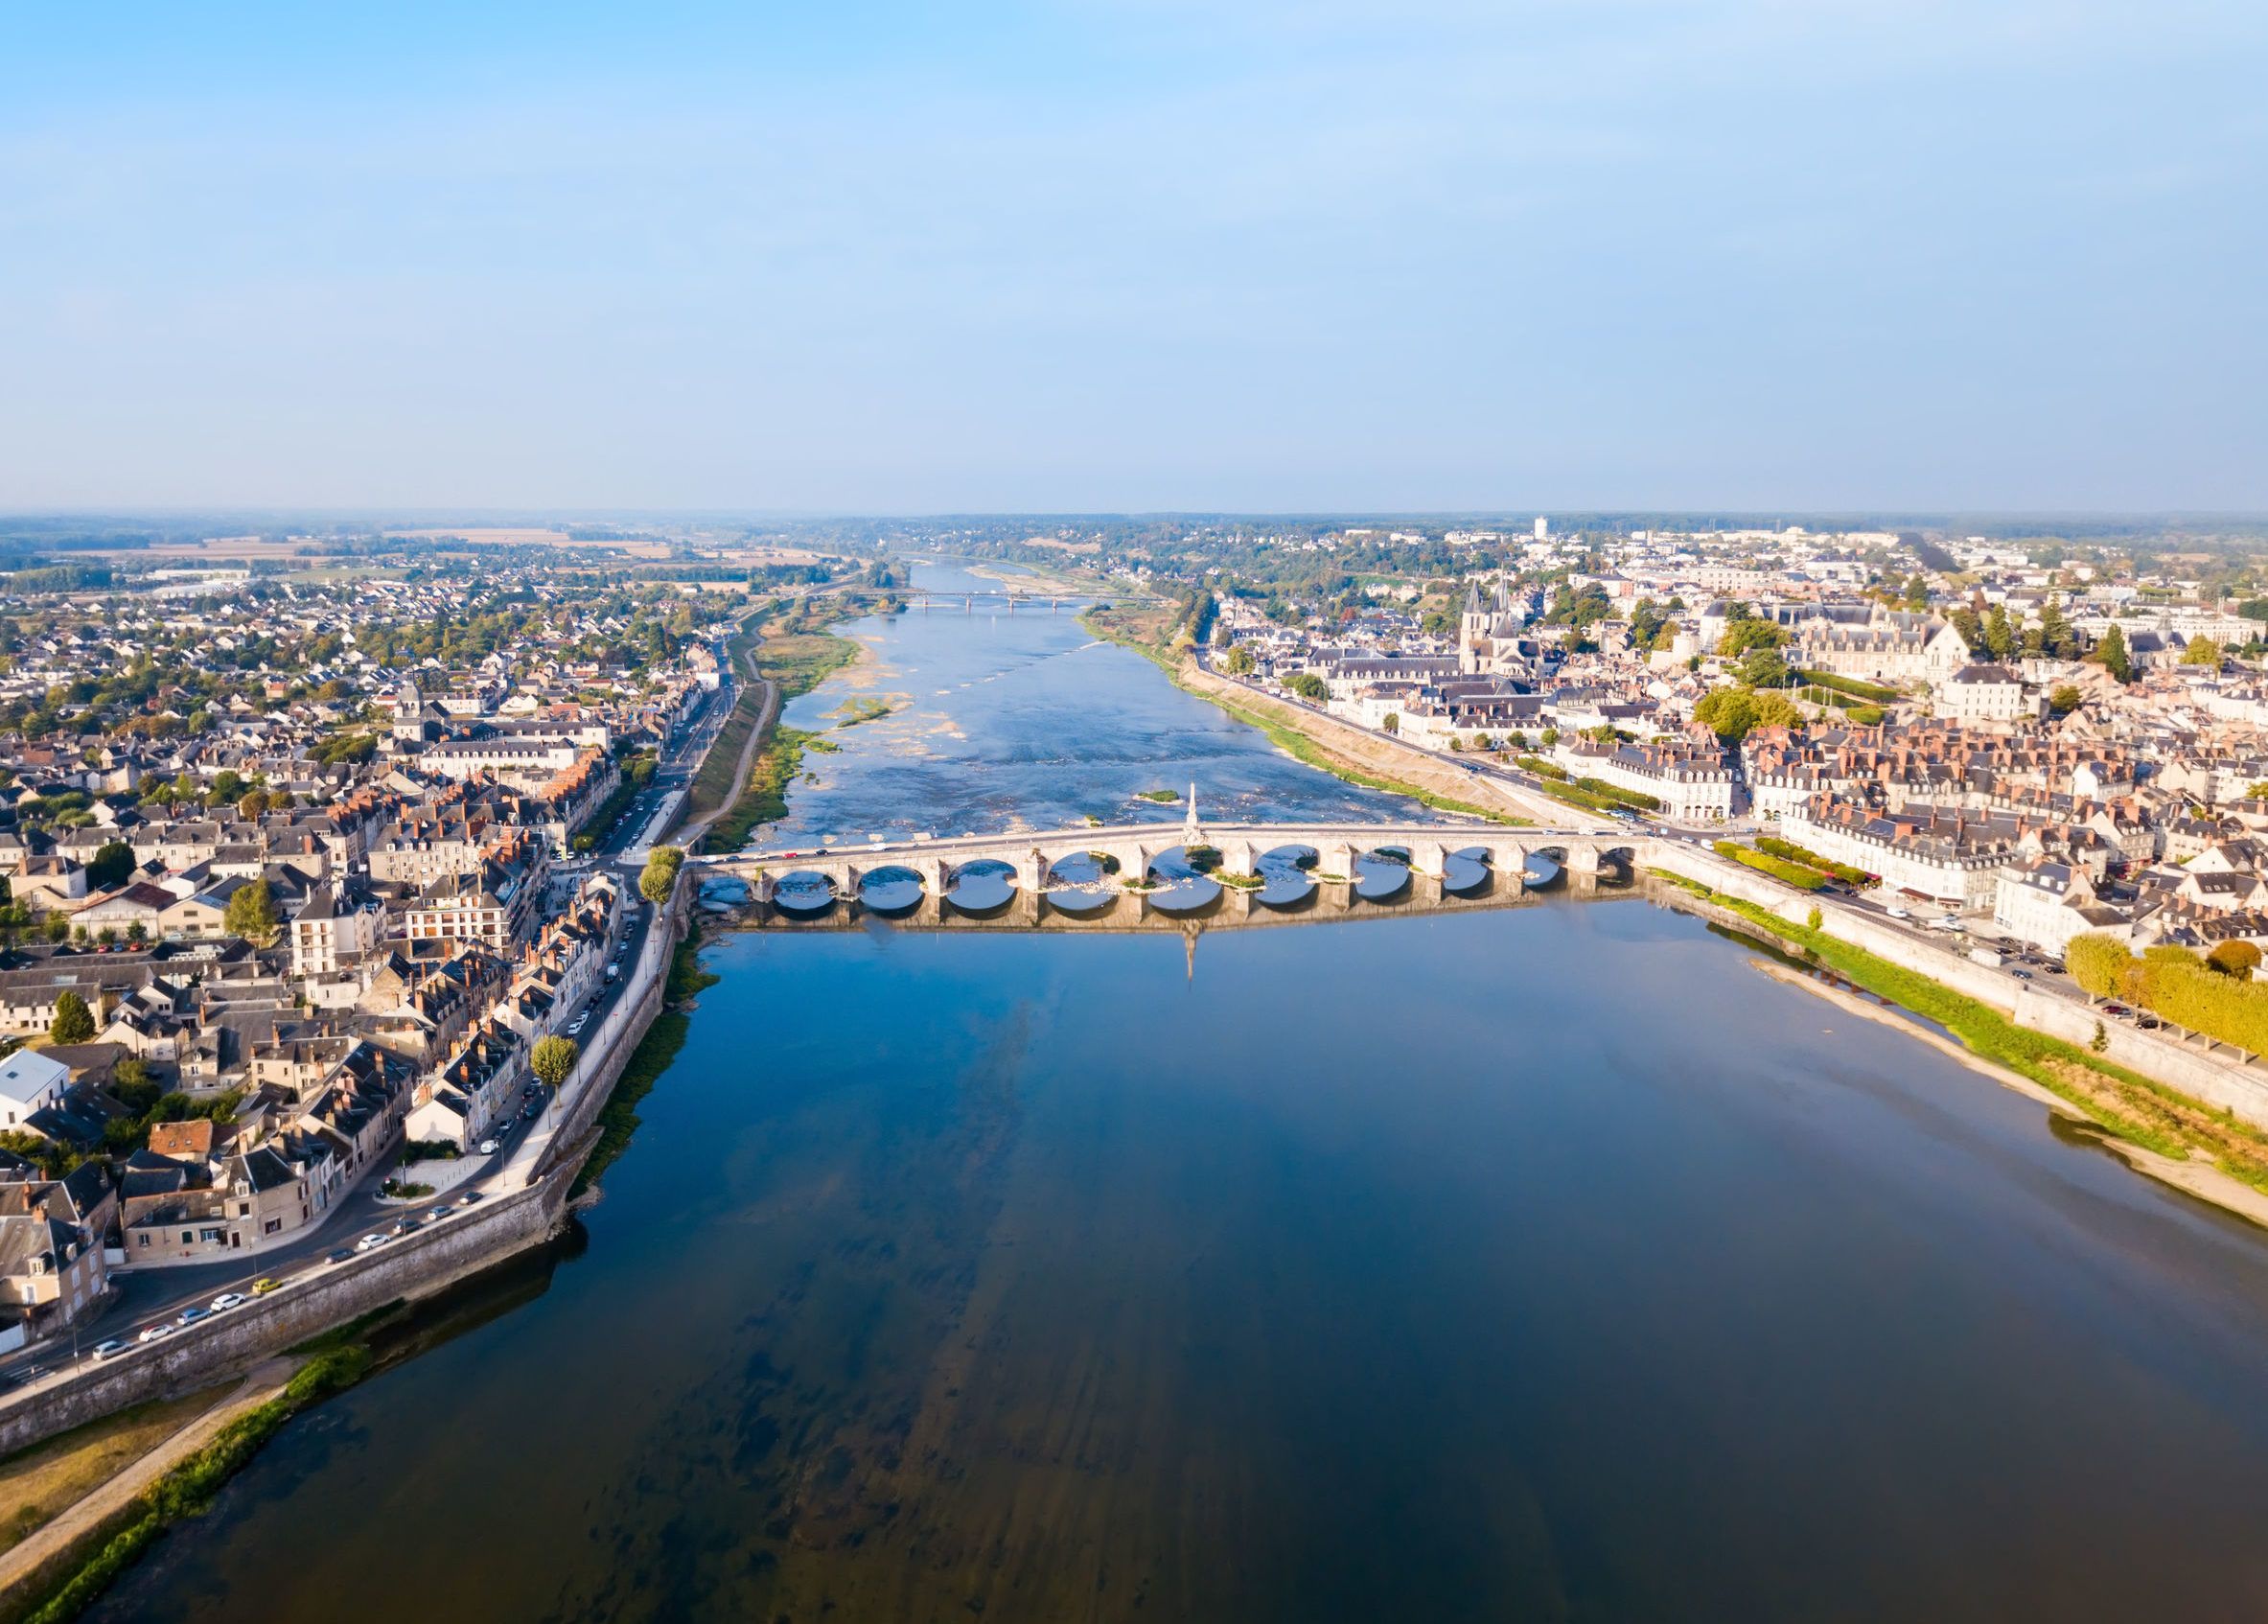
1543	1263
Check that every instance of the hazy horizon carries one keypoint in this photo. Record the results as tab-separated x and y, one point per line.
1061	258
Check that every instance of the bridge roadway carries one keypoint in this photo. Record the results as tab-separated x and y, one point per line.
1032	854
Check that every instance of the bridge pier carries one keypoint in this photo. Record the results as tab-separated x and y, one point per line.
936	875
1336	857
1431	858
1583	859
1031	873
1236	856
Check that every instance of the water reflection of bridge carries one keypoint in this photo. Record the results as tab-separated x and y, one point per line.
1073	910
1101	877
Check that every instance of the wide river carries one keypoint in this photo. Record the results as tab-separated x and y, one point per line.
1543	1263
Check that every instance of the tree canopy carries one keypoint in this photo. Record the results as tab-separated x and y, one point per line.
553	1062
73	1022
251	913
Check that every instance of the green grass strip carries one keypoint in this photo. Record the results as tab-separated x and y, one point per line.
764	798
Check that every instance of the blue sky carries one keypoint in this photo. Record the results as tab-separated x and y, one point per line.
1093	256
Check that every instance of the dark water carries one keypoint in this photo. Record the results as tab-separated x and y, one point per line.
1536	1263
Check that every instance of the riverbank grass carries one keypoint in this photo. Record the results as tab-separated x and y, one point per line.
188	1489
42	1482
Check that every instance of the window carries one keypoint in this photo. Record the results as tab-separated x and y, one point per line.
188	1237
273	1224
141	1240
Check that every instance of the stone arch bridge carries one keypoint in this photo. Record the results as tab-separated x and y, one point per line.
1032	854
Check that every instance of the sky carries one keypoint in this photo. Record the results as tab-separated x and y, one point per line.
1086	256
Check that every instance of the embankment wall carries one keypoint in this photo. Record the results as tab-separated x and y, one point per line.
415	1265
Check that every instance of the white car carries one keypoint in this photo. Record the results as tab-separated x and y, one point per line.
229	1300
489	1147
1897	913
371	1242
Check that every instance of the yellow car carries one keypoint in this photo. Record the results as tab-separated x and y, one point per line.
259	1287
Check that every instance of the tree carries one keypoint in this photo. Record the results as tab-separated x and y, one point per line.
1999	638
2065	700
1744	634
554	1061
2112	653
1730	714
73	1022
1238	661
251	913
660	875
2202	651
254	802
1309	686
1763	667
137	933
2099	963
113	862
1777	710
2238	959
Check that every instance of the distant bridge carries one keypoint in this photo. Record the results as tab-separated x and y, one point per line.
1033	855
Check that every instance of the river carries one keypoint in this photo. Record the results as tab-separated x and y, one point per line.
1547	1263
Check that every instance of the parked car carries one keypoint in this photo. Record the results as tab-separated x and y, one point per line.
1897	913
229	1300
190	1316
111	1349
408	1227
342	1255
262	1286
437	1213
370	1241
2021	975
151	1333
489	1147
468	1197
2149	1023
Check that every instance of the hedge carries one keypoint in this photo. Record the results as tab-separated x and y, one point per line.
1810	859
1788	873
1595	789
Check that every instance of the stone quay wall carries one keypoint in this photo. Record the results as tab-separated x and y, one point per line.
413	1265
